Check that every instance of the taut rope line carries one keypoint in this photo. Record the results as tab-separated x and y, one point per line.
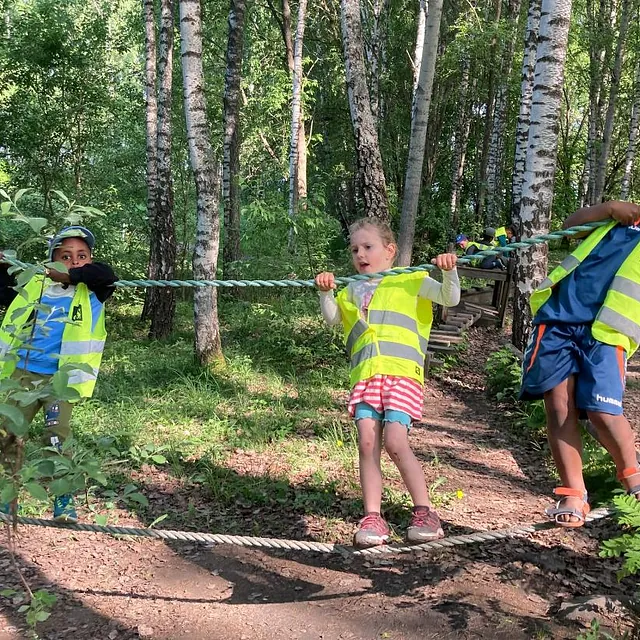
514	246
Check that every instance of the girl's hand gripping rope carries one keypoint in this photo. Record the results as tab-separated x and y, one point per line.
445	261
325	281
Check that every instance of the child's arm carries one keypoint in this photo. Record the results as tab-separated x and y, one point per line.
7	282
446	294
625	213
98	276
325	282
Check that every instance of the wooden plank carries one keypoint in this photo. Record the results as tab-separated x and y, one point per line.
484	310
484	274
450	339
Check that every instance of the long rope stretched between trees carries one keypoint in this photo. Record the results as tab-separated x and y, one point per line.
514	246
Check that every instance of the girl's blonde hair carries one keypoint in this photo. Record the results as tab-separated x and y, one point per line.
384	230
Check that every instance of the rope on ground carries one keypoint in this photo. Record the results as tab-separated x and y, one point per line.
514	246
301	545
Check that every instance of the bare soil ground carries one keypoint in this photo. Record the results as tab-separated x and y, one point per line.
122	589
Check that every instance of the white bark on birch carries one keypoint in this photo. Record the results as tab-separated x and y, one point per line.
151	104
206	175
417	58
419	124
371	180
634	127
296	124
232	136
163	239
537	187
460	140
524	116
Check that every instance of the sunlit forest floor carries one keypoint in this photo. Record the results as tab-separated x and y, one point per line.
262	445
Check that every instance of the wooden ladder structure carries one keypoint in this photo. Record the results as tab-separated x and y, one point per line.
487	304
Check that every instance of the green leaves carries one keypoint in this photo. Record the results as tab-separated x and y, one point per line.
16	424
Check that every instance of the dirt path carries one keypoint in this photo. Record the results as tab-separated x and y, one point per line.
121	589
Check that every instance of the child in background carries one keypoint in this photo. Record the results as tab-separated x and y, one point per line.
386	323
77	296
586	326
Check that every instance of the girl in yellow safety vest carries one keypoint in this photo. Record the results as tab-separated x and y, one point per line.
386	325
586	325
57	320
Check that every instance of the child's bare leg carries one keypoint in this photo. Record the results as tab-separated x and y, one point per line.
616	435
565	440
396	442
369	449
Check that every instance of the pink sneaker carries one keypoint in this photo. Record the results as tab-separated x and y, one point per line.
424	526
372	532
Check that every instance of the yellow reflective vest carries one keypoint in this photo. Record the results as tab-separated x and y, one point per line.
392	339
80	344
618	321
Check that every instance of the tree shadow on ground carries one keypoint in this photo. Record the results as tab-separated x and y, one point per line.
70	616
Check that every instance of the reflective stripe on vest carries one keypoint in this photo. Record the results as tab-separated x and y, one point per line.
81	347
388	342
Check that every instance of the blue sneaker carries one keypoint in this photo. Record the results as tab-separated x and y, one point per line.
64	509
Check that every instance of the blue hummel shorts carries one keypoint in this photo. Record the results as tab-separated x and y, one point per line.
556	352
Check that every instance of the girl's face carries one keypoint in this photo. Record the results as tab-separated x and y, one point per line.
368	251
73	252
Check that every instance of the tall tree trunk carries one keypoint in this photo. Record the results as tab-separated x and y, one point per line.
419	124
374	50
163	240
232	138
524	117
537	187
151	111
491	99
495	186
417	58
607	134
371	178
296	123
634	127
206	175
460	140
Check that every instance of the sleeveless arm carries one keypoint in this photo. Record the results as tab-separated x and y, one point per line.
329	308
446	294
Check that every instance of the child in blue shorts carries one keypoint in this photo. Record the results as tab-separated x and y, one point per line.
586	325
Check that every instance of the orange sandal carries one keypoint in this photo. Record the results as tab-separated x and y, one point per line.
626	474
559	510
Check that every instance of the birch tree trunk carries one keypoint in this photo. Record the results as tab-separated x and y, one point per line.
371	178
163	240
460	140
495	186
296	122
537	187
151	112
417	58
633	138
232	137
374	50
418	138
206	175
524	117
607	134
491	99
